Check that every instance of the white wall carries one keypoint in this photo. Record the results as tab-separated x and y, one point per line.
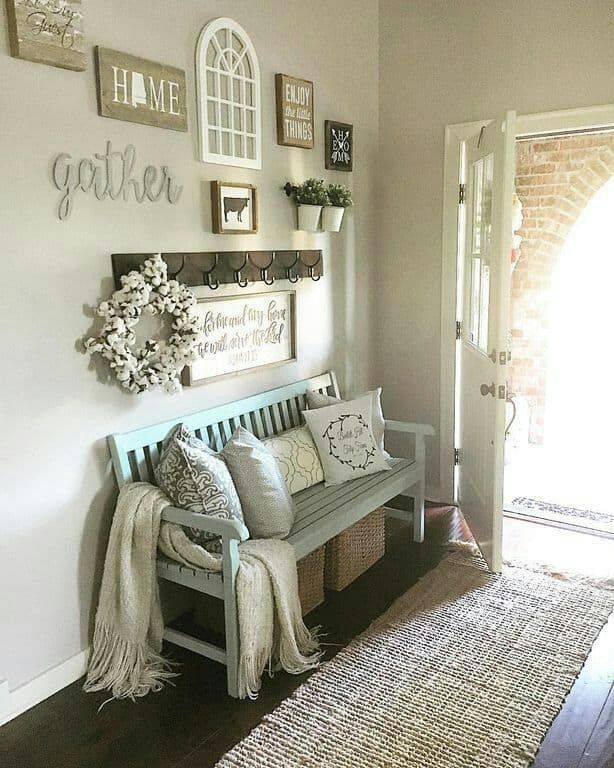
56	490
445	62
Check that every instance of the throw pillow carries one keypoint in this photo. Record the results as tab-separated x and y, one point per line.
316	400
344	438
297	458
268	508
195	478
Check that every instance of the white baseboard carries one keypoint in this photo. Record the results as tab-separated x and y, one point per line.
43	686
4	697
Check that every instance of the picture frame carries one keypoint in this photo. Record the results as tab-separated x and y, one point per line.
243	333
295	111
234	208
338	146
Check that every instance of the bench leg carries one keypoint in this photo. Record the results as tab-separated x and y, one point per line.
417	495
231	623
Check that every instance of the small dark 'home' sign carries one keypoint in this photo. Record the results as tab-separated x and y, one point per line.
140	91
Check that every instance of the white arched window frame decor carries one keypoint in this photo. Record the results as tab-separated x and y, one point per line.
228	92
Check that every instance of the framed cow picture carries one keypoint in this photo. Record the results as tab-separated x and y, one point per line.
339	146
234	208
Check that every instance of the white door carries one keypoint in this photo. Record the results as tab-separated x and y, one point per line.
489	179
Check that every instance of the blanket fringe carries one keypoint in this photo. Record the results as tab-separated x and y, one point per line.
129	670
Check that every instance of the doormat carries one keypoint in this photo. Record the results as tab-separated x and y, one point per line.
584	518
467	668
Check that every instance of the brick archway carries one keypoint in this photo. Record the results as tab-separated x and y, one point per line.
555	180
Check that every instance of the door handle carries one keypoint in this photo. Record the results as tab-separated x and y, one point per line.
487	390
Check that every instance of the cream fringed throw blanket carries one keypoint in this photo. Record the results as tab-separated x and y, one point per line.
128	634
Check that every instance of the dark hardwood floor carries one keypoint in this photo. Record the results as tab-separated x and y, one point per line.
191	724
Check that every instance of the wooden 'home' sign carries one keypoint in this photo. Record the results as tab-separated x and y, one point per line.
140	91
47	31
294	111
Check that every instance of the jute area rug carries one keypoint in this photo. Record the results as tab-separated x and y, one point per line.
465	670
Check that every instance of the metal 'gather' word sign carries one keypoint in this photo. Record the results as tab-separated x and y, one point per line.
111	175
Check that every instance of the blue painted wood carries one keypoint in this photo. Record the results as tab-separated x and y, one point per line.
322	513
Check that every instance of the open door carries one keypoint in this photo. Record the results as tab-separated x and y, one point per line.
489	180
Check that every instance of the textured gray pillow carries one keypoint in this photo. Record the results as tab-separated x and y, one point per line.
268	508
195	478
378	424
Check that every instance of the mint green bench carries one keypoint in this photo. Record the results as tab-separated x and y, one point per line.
321	513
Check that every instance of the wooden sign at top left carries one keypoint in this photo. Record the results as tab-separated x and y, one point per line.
47	31
140	91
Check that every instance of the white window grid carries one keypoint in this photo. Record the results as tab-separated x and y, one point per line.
229	96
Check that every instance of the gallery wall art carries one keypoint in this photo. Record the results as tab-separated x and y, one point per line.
234	208
294	111
48	32
140	91
240	333
339	146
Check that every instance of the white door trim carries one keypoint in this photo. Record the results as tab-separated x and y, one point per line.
567	120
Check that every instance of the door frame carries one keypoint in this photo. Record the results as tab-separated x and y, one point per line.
538	124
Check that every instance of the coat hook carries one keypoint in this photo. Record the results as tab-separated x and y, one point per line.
241	283
289	189
264	276
209	282
311	267
173	275
289	275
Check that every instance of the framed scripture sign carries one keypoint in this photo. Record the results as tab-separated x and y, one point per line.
339	146
242	333
294	111
140	91
47	31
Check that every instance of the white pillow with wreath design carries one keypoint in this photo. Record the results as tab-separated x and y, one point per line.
343	435
297	458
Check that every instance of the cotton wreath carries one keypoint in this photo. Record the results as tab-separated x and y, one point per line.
157	363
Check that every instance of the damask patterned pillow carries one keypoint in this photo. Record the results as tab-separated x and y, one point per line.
297	458
195	478
344	438
378	424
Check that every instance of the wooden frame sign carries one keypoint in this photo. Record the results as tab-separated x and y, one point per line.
339	146
234	208
140	91
47	31
294	111
242	333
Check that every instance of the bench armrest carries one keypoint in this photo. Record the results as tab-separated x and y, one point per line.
219	526
407	426
419	430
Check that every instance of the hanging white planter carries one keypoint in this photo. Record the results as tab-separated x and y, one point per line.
309	217
332	216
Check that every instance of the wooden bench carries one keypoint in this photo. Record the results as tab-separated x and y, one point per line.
321	513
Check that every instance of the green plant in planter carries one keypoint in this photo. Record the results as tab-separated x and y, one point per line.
339	195
311	192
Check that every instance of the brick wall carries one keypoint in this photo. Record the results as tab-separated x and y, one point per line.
555	180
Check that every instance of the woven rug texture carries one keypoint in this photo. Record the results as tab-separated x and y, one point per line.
466	670
586	518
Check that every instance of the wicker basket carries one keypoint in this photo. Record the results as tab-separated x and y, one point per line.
355	550
310	572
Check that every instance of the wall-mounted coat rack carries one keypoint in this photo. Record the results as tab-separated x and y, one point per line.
215	268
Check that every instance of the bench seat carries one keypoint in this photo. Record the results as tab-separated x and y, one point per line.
321	513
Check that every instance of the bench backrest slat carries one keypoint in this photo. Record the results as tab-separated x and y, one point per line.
136	454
